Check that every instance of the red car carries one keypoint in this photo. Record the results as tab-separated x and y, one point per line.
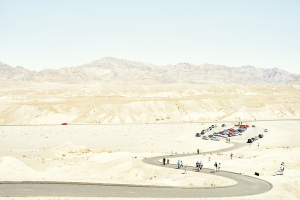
64	124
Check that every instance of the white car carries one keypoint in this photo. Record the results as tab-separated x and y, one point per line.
215	138
266	130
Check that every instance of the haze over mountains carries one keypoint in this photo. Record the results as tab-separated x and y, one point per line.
119	71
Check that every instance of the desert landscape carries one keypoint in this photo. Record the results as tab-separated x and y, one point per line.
112	128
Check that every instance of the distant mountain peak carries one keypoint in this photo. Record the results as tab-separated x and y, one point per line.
122	71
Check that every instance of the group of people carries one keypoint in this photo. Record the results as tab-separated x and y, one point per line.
180	165
199	151
217	167
164	161
199	165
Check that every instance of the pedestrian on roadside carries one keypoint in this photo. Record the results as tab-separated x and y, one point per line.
198	151
231	155
164	161
208	159
181	164
219	167
215	167
168	161
185	169
282	168
258	144
201	165
178	164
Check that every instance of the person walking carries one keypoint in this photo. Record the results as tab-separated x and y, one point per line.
215	167
201	165
185	169
198	151
168	161
164	161
208	159
231	155
198	166
258	144
178	164
219	167
282	168
181	164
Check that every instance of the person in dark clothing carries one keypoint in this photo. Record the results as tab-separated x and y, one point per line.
164	161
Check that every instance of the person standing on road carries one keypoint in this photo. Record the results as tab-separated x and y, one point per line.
164	161
282	168
178	164
168	161
215	166
219	167
181	164
258	144
201	165
231	155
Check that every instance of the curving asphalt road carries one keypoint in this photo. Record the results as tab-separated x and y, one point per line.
246	185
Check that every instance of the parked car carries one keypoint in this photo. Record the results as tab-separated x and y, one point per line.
249	141
210	136
203	132
261	135
198	135
205	138
223	125
266	130
253	125
213	126
215	138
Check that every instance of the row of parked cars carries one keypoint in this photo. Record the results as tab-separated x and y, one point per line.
250	140
231	132
208	129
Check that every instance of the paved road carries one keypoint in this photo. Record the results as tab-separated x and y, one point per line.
246	186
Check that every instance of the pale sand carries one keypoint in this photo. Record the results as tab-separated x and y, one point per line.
113	154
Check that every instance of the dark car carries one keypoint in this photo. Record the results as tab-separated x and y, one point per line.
260	135
198	135
223	125
249	141
203	132
253	125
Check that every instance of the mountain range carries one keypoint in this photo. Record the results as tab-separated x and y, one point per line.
120	71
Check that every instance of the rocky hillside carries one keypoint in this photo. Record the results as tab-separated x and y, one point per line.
117	71
8	73
57	103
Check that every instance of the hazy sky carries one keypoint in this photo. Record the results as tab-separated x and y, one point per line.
64	33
